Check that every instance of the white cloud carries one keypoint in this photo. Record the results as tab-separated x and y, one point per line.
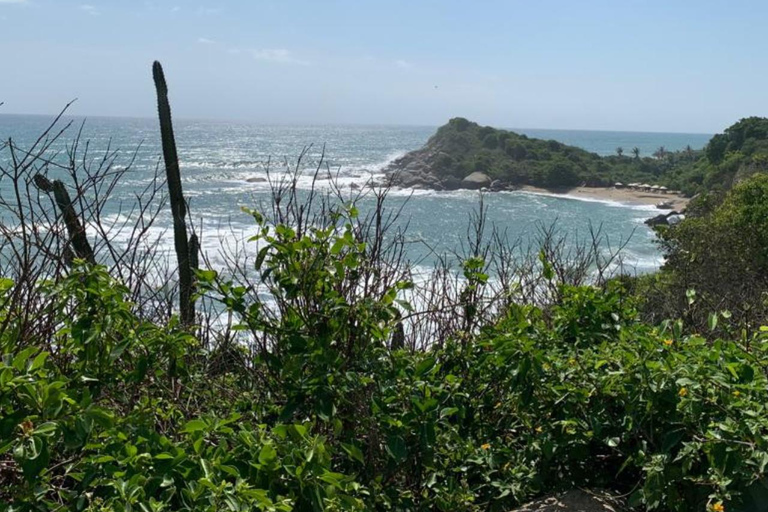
278	55
403	64
274	55
207	11
90	9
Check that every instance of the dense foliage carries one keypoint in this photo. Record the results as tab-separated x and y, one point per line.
730	157
461	147
112	412
715	261
293	389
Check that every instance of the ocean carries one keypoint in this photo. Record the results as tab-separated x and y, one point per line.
219	158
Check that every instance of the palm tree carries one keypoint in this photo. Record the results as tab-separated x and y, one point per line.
636	152
689	152
661	152
619	151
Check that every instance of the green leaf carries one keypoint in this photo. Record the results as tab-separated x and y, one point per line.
206	468
6	376
712	321
101	417
396	448
194	426
267	454
5	284
425	366
206	275
39	361
548	272
261	256
353	452
448	411
46	428
20	361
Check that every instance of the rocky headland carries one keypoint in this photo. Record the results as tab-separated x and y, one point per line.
465	155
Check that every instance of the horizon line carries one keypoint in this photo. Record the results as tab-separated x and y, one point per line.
292	124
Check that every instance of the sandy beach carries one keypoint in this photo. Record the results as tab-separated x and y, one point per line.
621	195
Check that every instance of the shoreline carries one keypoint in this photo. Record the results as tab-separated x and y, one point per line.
623	195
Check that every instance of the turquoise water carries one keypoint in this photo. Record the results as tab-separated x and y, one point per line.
218	159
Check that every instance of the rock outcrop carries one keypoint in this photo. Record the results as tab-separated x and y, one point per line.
576	501
664	219
476	180
463	154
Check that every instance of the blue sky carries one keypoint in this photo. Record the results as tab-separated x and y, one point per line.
636	65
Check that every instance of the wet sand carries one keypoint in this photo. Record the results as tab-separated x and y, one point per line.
622	195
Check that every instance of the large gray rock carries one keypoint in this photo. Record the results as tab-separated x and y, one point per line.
659	220
476	180
662	219
416	178
576	501
451	183
497	185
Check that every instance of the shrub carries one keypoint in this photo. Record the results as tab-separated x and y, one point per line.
720	254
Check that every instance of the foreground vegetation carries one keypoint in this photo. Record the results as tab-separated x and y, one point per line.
115	413
112	412
318	374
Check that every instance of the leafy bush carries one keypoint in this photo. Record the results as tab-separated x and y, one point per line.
719	253
309	403
121	414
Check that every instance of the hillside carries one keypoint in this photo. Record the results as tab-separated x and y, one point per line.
729	158
460	148
506	159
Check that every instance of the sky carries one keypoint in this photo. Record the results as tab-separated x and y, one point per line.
692	66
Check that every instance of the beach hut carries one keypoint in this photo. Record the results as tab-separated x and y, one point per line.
663	189
646	187
618	184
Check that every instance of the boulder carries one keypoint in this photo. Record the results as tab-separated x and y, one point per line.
659	220
662	219
675	219
256	180
416	179
451	183
476	180
497	185
576	501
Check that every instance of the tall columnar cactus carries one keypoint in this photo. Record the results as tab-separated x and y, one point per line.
77	237
178	205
